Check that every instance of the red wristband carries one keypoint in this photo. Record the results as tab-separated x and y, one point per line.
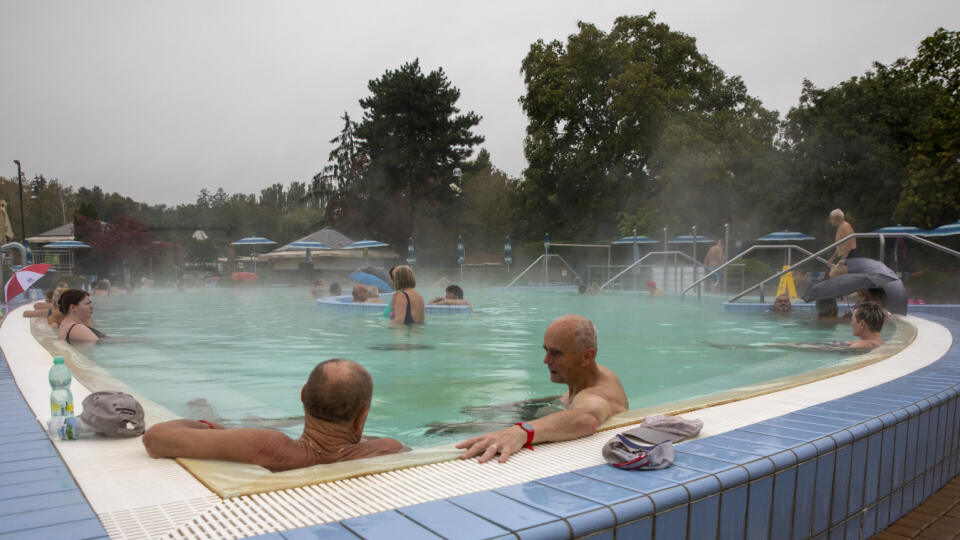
209	424
529	429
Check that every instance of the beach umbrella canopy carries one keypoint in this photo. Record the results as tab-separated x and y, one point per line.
411	254
785	236
896	293
688	239
946	230
461	256
371	279
244	276
507	251
306	244
22	279
844	284
363	244
903	229
253	241
66	244
640	240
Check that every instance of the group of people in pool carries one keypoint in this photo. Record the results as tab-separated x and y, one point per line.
866	318
337	398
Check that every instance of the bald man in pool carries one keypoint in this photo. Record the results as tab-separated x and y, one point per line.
594	394
336	401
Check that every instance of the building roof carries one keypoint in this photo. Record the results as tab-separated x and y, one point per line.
57	234
332	238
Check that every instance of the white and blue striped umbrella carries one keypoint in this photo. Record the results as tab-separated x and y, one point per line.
507	251
66	244
411	254
253	241
688	239
946	230
363	244
461	256
785	236
308	245
640	240
903	229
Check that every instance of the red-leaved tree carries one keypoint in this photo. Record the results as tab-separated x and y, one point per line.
118	243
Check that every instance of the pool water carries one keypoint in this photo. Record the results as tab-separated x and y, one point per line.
241	355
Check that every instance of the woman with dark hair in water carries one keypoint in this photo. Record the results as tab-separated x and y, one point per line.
77	310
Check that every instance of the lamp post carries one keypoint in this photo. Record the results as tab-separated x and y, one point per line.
23	231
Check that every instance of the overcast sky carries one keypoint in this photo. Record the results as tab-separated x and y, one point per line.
158	99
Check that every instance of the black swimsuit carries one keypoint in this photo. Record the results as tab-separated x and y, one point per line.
96	332
408	316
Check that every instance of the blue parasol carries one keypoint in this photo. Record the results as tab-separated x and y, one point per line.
411	255
253	241
460	252
902	229
65	244
363	244
945	230
640	240
507	252
370	279
785	236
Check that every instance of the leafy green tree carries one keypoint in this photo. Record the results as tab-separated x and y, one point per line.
345	170
414	136
931	191
598	107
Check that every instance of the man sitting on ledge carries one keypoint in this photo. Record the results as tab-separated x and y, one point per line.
594	394
336	400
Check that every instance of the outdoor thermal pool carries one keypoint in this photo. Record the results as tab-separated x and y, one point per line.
240	355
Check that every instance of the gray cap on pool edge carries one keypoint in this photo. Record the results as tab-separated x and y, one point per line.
662	428
623	453
113	414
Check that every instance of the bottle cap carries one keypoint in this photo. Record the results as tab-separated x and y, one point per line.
57	359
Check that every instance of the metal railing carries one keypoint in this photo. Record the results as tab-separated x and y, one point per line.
881	236
758	247
546	261
639	262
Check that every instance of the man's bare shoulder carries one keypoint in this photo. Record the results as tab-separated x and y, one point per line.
607	388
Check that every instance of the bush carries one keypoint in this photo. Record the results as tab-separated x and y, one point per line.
755	270
934	287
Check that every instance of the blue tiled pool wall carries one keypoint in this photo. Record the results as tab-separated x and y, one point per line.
843	469
38	496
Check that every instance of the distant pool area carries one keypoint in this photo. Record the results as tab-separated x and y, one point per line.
267	520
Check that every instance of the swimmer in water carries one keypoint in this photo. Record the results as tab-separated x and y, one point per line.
407	303
866	324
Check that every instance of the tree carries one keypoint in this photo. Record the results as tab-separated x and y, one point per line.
345	169
931	191
415	136
598	107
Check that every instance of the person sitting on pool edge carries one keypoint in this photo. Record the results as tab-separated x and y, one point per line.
336	401
453	297
594	394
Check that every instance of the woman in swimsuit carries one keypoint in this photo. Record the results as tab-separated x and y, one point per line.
77	309
407	303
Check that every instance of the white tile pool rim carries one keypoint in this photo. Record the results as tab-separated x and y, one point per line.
137	497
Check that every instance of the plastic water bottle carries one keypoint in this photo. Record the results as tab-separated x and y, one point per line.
61	399
69	428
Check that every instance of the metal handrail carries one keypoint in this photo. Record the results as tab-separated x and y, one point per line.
748	250
881	236
641	259
547	256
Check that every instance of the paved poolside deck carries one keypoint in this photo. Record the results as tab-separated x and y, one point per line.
39	498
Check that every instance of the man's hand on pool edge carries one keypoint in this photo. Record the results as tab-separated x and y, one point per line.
505	442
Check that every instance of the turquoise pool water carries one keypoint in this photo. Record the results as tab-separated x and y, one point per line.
242	355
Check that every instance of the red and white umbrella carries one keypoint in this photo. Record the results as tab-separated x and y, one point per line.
22	279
